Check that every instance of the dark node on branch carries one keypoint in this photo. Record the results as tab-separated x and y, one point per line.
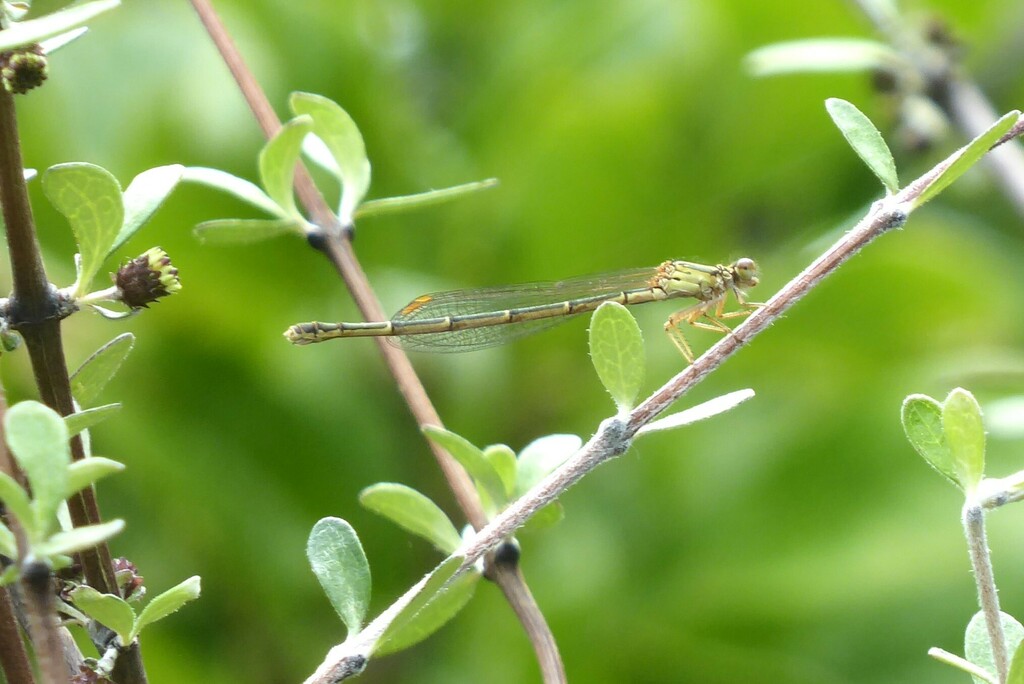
54	306
507	554
36	576
317	239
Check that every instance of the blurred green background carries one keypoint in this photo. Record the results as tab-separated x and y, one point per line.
796	539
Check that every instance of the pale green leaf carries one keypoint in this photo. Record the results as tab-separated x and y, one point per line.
340	565
966	157
167	603
113	612
339	132
1016	675
16	501
965	435
83	420
709	408
410	629
435	582
473	460
413	512
922	423
87	471
392	205
978	647
90	199
241	189
143	197
277	163
79	538
541	457
50	25
245	231
38	440
97	370
617	352
503	460
822	55
865	140
8	545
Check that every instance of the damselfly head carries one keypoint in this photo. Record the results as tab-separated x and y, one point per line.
745	273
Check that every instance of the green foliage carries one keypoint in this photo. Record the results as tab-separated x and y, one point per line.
948	435
703	411
239	188
821	55
978	647
392	205
865	140
413	512
967	156
339	563
116	614
488	481
277	164
56	23
617	351
244	231
97	370
83	420
144	195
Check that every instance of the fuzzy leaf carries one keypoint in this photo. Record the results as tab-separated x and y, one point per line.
248	192
966	157
143	197
822	55
8	545
16	501
617	352
434	583
978	648
339	563
88	471
393	205
113	612
79	538
166	603
442	606
709	408
1016	675
922	423
97	370
473	460
865	140
90	199
50	25
39	441
541	457
277	163
245	231
339	132
503	460
413	512
83	420
965	435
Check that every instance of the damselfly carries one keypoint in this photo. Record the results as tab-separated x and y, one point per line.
466	320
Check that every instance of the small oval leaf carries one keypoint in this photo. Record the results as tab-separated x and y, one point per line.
393	205
277	163
541	457
245	231
429	587
79	538
167	603
88	471
241	189
143	197
978	647
617	352
16	501
413	512
865	140
113	612
703	411
340	565
38	440
822	55
53	24
473	460
965	435
83	420
97	370
922	423
432	616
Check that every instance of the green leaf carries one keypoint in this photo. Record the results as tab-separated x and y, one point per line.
335	127
435	582
277	163
865	140
503	460
248	192
79	538
8	545
1016	675
113	612
90	199
39	441
822	55
965	435
143	197
393	205
97	370
166	603
339	563
35	30
473	460
413	512
17	502
435	614
709	408
87	471
83	420
966	157
541	457
245	231
922	423
617	352
978	648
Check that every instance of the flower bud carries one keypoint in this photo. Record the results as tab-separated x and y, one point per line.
147	278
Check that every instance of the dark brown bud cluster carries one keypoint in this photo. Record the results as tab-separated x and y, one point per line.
23	69
147	278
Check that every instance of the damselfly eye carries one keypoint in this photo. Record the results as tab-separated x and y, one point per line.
746	272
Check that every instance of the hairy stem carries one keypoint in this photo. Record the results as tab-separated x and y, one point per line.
973	518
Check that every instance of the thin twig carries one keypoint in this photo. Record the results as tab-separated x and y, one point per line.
973	519
334	241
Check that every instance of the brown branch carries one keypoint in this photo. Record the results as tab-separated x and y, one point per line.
335	242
